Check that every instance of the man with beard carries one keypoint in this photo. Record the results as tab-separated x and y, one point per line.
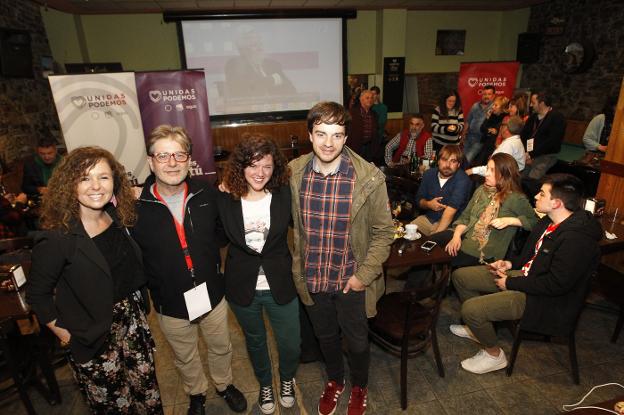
476	116
409	142
443	193
542	136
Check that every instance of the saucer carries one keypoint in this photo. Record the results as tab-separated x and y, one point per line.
418	236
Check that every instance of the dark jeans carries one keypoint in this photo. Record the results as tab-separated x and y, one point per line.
284	320
333	314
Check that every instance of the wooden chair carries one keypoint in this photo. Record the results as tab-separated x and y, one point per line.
405	324
521	334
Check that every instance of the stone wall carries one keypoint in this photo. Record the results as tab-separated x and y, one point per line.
26	108
582	95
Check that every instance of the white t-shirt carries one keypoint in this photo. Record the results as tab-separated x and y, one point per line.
257	221
512	146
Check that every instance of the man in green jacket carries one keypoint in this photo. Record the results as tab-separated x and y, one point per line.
342	235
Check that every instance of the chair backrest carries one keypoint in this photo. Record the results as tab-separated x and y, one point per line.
423	303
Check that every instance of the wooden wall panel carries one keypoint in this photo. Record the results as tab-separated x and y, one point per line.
611	186
228	137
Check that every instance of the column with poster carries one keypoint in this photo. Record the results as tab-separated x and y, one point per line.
102	110
179	98
393	81
473	76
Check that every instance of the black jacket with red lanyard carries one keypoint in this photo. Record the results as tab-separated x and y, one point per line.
165	262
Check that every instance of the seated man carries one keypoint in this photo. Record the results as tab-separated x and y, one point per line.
37	172
410	141
544	286
511	144
443	193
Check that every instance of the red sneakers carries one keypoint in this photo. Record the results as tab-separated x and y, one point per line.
357	401
329	398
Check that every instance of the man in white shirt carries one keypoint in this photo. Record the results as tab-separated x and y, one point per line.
511	144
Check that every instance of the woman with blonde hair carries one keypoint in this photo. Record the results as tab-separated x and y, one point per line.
87	283
484	230
490	129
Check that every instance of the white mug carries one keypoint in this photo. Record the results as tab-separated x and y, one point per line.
411	230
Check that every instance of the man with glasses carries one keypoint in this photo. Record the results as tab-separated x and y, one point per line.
179	233
443	193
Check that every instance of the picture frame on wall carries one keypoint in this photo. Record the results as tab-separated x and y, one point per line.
450	42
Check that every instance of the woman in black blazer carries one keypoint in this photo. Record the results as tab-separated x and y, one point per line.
256	215
85	283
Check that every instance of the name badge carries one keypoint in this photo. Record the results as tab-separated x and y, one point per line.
197	301
530	143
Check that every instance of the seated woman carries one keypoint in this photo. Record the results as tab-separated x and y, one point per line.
256	215
485	228
490	129
517	108
596	137
447	121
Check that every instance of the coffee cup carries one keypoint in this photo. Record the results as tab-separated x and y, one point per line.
411	230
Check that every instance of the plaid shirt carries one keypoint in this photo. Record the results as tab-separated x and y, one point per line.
393	145
326	215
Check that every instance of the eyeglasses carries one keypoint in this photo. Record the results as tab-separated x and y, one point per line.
179	156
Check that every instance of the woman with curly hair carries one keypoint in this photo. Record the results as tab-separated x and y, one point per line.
86	280
484	230
256	215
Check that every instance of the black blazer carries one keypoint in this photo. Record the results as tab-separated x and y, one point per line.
243	263
70	281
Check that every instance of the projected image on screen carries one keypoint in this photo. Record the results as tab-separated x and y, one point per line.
266	65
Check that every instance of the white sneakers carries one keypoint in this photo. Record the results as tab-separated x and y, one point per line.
483	362
462	331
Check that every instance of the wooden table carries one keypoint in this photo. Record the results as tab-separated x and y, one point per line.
614	245
413	255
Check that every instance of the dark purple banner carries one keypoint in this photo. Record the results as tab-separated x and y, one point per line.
179	98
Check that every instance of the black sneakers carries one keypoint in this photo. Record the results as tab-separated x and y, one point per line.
196	405
234	398
266	400
287	393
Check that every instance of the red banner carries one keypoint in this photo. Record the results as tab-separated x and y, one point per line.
474	76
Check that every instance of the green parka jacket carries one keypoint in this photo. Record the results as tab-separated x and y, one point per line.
371	233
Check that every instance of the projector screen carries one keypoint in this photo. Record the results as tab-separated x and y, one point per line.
266	66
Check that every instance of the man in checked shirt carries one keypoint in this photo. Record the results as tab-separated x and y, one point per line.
342	235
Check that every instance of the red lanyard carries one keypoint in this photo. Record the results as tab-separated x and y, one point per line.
179	227
550	229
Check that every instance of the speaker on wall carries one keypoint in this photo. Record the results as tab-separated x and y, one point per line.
528	50
15	54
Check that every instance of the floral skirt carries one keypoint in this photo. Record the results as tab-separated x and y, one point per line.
122	380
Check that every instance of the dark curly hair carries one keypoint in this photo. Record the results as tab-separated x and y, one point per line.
252	148
60	204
